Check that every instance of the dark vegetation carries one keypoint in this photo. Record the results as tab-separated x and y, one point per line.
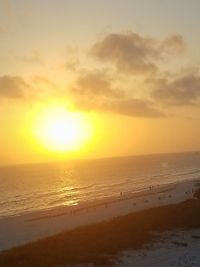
99	244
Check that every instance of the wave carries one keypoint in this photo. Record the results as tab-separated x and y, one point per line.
21	194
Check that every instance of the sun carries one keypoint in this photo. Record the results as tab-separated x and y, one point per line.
63	131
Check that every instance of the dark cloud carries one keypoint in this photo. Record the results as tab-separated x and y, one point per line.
133	53
94	91
183	90
12	87
95	84
128	51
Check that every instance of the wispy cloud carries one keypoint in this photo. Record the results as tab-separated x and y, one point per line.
96	84
173	44
72	64
38	79
12	87
95	91
33	57
125	106
181	90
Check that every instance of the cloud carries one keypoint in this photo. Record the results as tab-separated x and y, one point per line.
184	90
72	64
132	107
132	53
126	106
174	43
39	79
33	57
12	87
94	91
128	51
95	84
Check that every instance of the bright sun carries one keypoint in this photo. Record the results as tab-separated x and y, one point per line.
60	130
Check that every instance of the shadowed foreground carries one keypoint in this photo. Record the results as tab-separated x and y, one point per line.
100	243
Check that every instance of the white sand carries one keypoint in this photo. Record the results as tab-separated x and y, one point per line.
177	249
174	249
26	228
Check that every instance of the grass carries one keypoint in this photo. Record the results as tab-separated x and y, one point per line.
100	243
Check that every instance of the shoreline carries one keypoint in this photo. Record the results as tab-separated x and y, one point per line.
101	244
20	230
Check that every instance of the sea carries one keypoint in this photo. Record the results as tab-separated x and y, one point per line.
34	187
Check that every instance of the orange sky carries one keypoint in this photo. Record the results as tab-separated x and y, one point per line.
133	74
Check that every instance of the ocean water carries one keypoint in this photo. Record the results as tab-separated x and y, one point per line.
28	188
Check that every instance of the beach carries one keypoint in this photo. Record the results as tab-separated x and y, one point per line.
173	248
19	230
136	216
99	139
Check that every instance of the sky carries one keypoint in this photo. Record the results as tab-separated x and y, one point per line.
130	67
